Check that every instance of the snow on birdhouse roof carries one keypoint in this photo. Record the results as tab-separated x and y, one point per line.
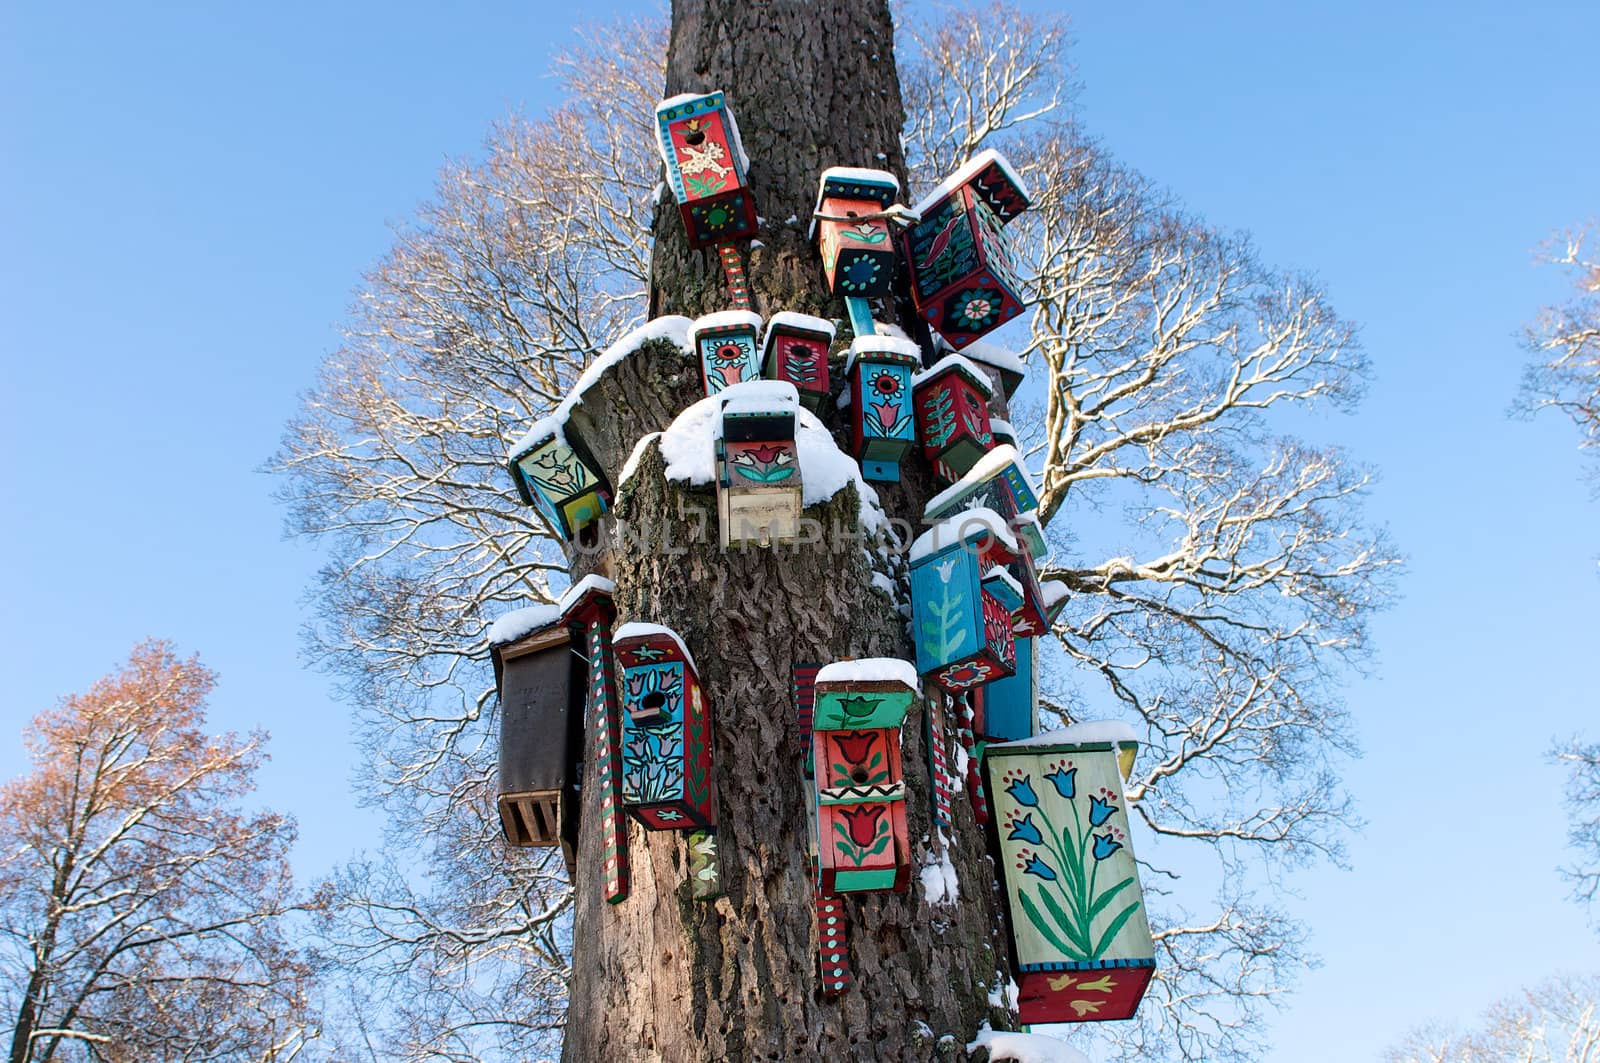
870	670
958	363
985	468
1005	577
724	319
976	165
1024	1047
992	354
999	426
638	629
519	622
586	585
543	429
883	178
688	447
964	526
1088	733
800	322
894	346
1053	591
758	396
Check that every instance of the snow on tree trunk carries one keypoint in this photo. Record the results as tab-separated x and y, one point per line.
663	976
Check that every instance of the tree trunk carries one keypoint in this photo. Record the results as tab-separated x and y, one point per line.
662	976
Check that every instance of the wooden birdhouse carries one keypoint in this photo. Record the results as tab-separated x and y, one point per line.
962	632
851	227
883	424
795	349
728	345
1031	616
706	168
953	414
962	278
559	478
667	761
542	680
861	839
759	489
999	482
1081	937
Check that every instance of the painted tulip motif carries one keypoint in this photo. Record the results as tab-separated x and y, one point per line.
1065	780
1024	830
767	464
865	832
864	763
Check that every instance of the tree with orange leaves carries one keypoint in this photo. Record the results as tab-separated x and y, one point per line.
142	909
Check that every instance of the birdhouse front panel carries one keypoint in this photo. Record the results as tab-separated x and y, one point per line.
953	415
962	278
667	757
883	415
862	837
542	684
759	488
726	343
851	227
699	142
1081	936
1011	703
559	480
962	634
795	348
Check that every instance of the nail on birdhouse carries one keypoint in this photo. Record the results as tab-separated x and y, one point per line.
667	759
962	632
1082	949
860	838
706	168
759	489
795	349
962	278
851	226
952	399
555	473
882	414
728	345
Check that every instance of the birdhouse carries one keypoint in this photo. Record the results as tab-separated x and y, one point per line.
882	416
1031	616
1080	934
996	481
861	840
851	227
667	762
962	632
962	278
953	414
559	478
706	168
759	491
795	348
1003	368
1004	434
727	343
1009	706
1055	598
542	680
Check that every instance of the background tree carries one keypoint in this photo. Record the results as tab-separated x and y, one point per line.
142	910
1221	571
1557	1021
1583	806
1565	341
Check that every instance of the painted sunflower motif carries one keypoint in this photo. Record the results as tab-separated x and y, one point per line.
976	309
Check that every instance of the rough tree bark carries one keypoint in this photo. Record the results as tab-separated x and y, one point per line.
660	975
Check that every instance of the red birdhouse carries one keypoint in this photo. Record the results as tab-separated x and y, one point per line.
851	227
706	168
953	415
795	348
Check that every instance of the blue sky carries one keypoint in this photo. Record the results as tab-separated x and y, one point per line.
189	193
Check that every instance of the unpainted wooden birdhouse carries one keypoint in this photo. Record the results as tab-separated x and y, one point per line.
795	349
851	227
1082	948
706	168
759	488
728	346
861	840
952	399
667	757
555	473
962	632
883	423
963	280
542	679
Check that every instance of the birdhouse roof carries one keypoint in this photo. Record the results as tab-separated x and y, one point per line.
1002	576
976	165
870	670
959	364
520	623
894	348
1088	733
994	461
638	629
962	527
854	182
789	319
543	430
723	319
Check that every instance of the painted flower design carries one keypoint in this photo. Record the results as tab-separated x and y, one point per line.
1021	790
766	463
856	746
1035	866
860	274
862	823
1024	830
976	308
1065	780
1105	845
961	676
669	815
1100	811
551	471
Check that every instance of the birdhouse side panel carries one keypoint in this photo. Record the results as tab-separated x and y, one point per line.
1072	886
862	837
802	360
703	162
1011	704
954	420
942	249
